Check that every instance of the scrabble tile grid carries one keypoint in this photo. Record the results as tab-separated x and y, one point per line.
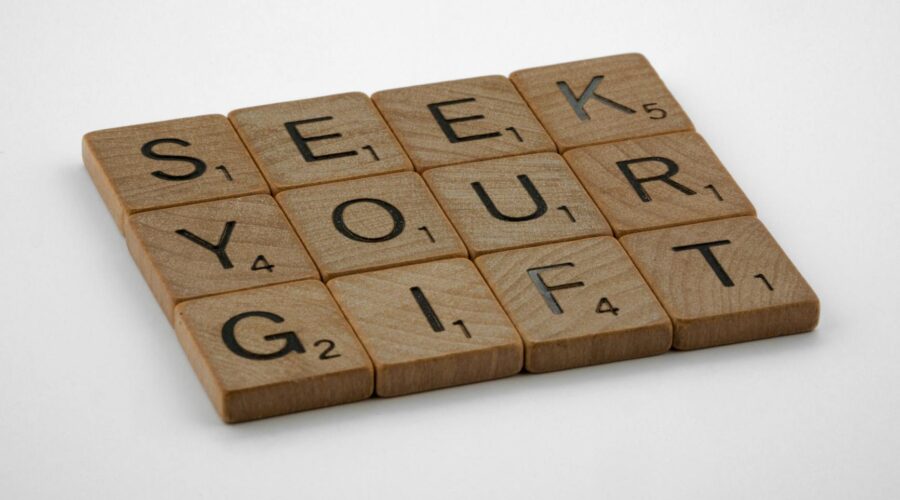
594	232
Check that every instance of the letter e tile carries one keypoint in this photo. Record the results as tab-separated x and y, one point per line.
461	121
325	139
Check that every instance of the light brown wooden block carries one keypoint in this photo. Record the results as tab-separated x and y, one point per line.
600	100
273	350
515	202
370	223
163	164
724	281
301	143
577	303
462	120
221	246
660	181
428	326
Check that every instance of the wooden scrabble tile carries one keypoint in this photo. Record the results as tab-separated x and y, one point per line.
462	120
221	246
577	303
370	223
428	326
515	202
660	181
163	164
273	350
300	143
600	100
723	281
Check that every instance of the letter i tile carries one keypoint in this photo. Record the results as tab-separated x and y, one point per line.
428	326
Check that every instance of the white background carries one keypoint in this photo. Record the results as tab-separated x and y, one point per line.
800	100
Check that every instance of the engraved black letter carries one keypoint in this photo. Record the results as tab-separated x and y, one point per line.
540	206
337	218
636	183
199	166
291	341
427	310
546	291
446	123
218	248
578	103
706	250
302	142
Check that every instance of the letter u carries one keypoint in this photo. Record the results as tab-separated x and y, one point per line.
540	206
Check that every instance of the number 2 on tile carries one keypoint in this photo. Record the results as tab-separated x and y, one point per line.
326	354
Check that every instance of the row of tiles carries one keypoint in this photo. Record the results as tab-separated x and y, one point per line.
302	345
463	210
313	141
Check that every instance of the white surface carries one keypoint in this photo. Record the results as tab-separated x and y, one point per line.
800	101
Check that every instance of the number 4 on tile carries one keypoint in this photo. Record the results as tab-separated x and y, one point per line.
261	263
605	306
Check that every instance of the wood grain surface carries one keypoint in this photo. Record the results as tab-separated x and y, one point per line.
724	281
221	246
163	164
371	223
600	100
384	198
577	303
428	326
515	202
273	350
661	181
462	120
311	141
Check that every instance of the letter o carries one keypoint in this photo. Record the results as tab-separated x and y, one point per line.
337	217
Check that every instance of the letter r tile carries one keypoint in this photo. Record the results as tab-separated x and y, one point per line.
577	303
221	246
461	121
428	326
273	350
600	100
370	223
313	141
723	281
660	181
